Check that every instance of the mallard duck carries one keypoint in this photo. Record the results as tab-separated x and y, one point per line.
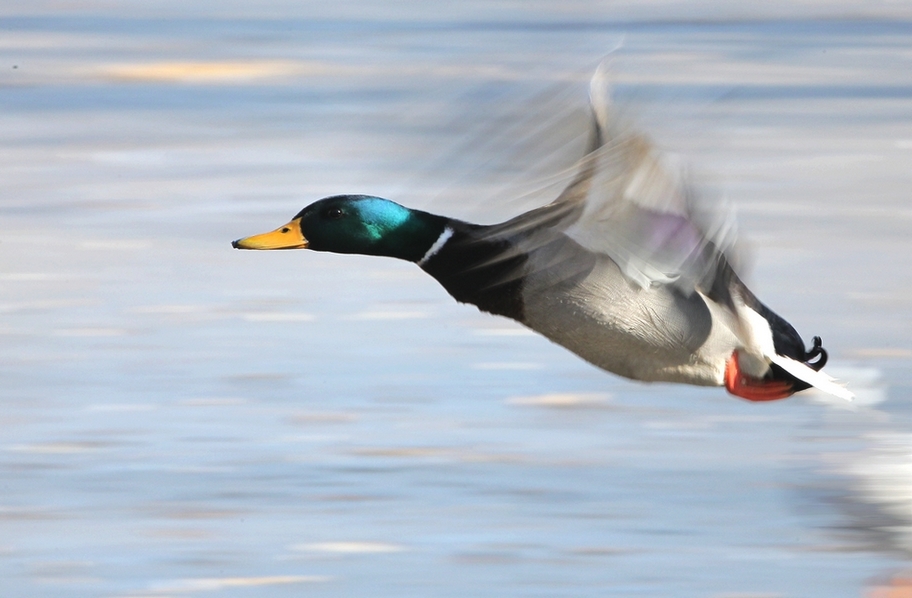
630	268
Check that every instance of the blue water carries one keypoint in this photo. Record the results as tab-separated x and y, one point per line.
181	419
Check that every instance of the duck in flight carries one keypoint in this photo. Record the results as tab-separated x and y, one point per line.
629	268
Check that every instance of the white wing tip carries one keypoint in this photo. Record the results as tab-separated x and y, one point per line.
600	94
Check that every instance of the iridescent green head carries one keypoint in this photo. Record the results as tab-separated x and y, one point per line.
355	224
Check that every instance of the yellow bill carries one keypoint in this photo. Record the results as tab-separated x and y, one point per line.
284	237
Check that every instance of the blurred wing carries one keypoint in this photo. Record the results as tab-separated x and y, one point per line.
629	202
641	210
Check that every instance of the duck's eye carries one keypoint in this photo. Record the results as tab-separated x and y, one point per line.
334	213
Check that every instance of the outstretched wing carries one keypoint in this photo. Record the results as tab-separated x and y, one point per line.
631	203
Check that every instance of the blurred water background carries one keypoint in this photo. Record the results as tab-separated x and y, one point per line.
181	419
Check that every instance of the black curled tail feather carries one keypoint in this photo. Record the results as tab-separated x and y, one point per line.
786	342
816	357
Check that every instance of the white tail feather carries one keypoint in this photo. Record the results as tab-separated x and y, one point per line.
757	333
818	380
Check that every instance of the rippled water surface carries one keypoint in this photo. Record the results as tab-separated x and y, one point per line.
182	419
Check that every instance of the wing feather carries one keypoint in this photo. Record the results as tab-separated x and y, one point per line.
628	201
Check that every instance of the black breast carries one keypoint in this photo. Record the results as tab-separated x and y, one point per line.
486	272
